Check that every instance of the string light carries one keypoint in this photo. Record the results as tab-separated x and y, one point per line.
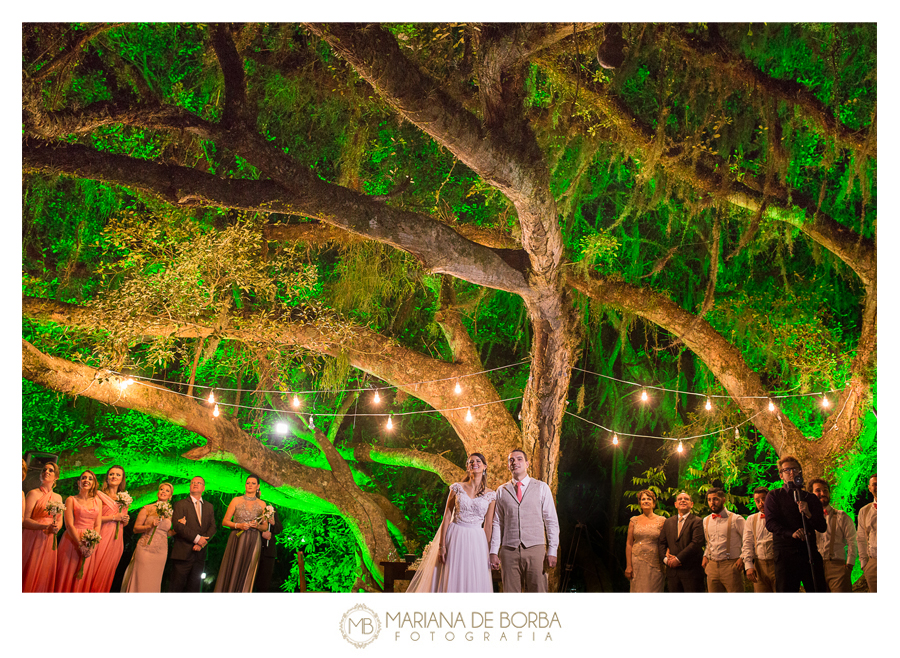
680	447
212	398
457	389
376	399
643	395
825	402
469	415
216	411
708	404
390	425
771	405
312	424
296	402
615	439
281	428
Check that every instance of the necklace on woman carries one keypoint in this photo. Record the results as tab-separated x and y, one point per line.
246	497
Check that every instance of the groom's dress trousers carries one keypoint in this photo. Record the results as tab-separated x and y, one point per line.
518	535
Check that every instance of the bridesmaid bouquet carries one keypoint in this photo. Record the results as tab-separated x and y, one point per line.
266	516
89	540
122	500
163	511
54	508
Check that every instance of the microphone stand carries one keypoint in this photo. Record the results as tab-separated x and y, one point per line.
812	569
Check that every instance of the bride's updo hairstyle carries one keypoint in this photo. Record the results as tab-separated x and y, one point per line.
483	474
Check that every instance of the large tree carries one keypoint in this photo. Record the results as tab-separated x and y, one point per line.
399	199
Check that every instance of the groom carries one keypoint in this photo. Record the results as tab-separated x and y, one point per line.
194	524
523	513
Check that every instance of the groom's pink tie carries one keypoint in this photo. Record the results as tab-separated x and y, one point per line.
519	491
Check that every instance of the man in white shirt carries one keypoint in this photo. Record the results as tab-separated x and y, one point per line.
837	544
524	521
867	537
724	532
757	553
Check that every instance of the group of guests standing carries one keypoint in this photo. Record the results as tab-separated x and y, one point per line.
795	538
70	567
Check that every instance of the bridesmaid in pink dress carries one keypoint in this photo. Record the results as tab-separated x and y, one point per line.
109	551
38	530
82	512
144	573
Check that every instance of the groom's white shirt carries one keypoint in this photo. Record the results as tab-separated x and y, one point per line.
548	511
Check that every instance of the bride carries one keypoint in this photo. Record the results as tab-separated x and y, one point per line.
457	560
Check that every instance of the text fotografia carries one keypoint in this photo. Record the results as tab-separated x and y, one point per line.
481	626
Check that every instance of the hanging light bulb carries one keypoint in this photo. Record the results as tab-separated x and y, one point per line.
296	402
212	398
771	405
457	389
643	395
390	425
615	439
708	404
825	402
129	382
680	447
376	399
312	423
281	428
469	415
216	411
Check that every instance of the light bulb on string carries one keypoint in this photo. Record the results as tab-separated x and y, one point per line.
708	404
615	439
211	399
825	402
312	424
680	447
457	389
296	402
281	428
643	395
216	411
771	405
376	398
469	415
390	425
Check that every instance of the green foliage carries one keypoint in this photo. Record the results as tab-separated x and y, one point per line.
331	558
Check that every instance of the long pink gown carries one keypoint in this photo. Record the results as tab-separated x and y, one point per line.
38	556
144	573
69	555
109	550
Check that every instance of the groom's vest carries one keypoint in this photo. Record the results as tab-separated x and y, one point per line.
521	523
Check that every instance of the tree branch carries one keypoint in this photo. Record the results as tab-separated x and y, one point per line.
235	112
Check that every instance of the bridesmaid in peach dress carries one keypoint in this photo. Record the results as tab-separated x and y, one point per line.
643	566
109	551
144	573
38	531
82	512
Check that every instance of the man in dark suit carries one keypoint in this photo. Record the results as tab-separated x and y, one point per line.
194	524
681	547
267	555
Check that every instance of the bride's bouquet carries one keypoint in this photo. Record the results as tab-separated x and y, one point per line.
53	508
123	500
266	516
89	540
163	511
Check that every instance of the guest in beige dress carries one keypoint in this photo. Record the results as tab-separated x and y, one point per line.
642	565
144	573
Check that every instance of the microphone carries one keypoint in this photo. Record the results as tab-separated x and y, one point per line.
798	485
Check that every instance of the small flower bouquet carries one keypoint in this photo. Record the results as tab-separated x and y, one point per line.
163	511
123	500
267	516
55	508
89	540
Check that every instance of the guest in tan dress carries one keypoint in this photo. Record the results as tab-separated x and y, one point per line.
144	573
643	567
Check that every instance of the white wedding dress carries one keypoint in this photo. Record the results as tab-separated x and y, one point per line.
467	567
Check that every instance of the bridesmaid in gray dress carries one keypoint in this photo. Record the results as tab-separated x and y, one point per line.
238	569
145	571
643	567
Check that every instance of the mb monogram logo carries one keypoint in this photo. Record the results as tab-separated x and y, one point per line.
360	626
